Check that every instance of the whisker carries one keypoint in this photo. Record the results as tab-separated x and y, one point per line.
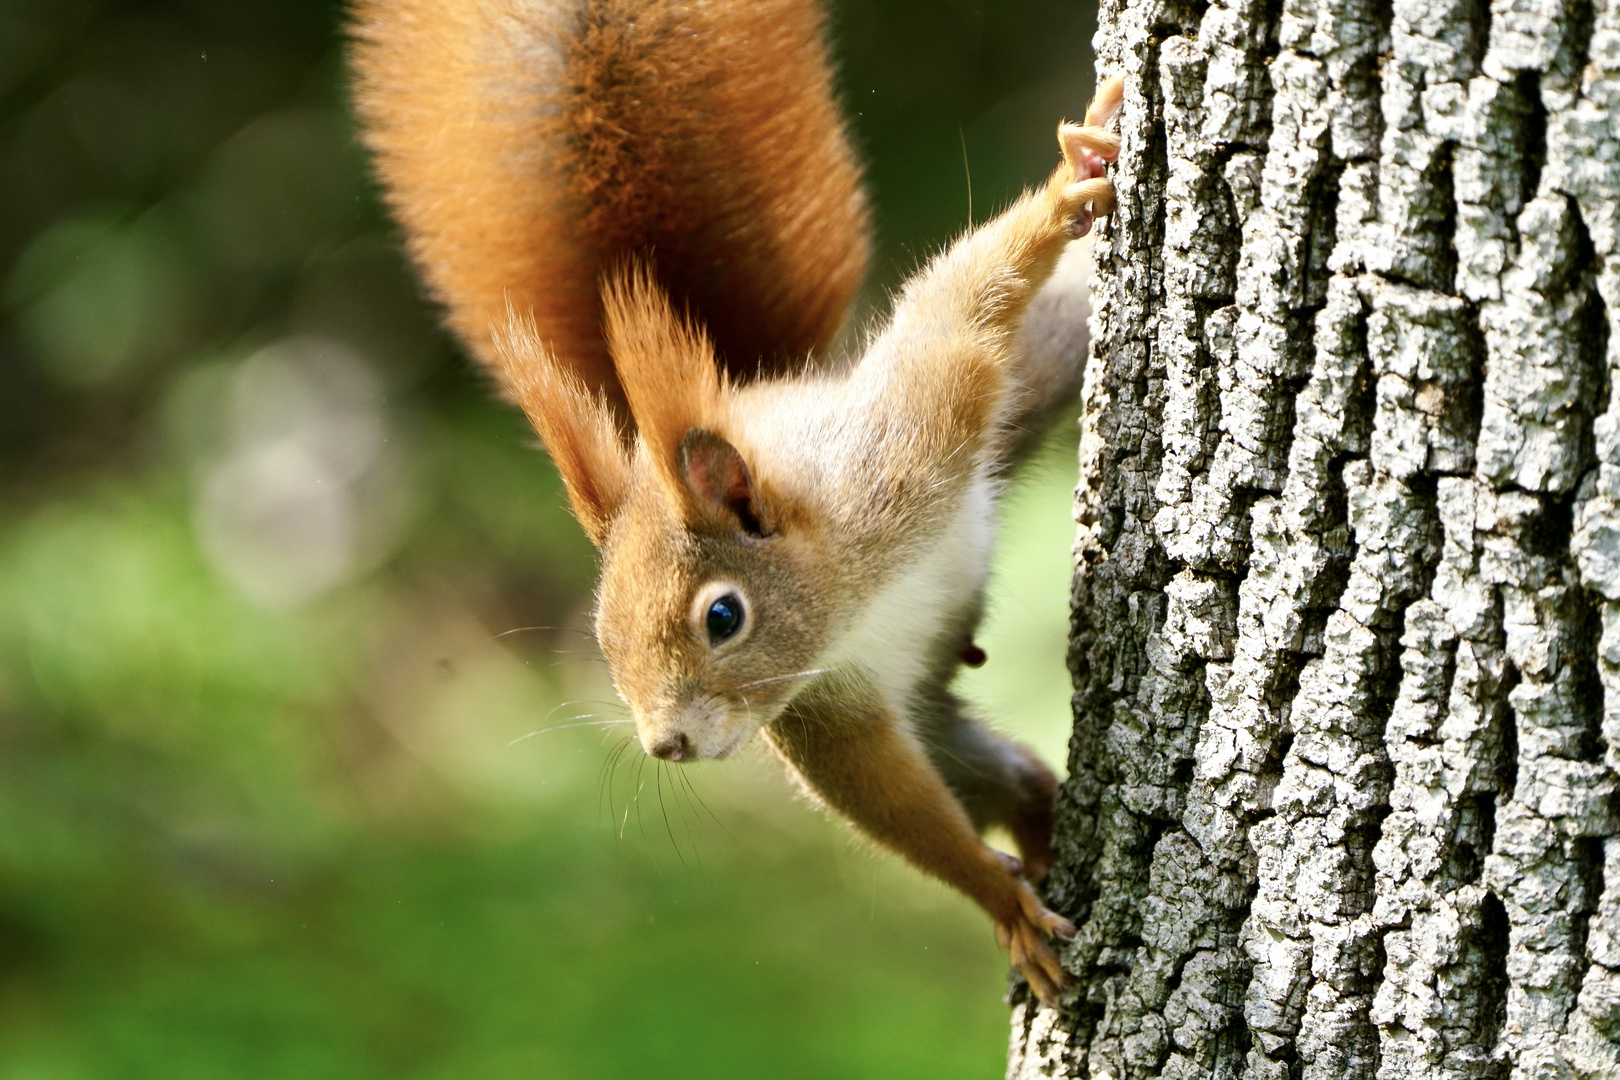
527	629
555	709
783	678
576	702
603	774
691	786
596	716
624	821
568	727
641	767
569	657
610	769
641	825
658	776
683	810
629	799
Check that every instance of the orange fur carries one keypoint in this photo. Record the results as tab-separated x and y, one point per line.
529	147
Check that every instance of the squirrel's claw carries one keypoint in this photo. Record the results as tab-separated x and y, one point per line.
1087	148
1098	191
1024	938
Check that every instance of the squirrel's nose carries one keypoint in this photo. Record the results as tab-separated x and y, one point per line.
671	747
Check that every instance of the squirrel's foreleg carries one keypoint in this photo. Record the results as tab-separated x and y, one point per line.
944	356
859	758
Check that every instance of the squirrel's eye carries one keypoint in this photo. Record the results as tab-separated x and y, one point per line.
724	618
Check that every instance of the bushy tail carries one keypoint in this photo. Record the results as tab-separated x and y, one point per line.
531	147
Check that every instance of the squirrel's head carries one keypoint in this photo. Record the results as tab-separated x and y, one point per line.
703	611
706	610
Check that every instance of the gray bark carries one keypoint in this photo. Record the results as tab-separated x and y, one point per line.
1346	637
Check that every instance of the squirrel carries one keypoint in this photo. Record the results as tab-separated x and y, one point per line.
645	219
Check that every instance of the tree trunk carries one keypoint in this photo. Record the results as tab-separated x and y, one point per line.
1346	637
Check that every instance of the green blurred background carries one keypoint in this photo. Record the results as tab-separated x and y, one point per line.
271	562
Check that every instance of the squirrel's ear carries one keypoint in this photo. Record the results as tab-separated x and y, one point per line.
576	424
665	364
717	481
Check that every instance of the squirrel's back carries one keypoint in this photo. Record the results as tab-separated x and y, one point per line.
530	146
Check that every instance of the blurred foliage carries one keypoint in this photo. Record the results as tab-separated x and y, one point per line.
283	595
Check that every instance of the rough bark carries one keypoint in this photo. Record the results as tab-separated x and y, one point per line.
1346	637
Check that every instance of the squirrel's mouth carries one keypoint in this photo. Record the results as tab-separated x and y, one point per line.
679	747
708	728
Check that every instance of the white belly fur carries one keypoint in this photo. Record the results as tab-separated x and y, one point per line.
892	641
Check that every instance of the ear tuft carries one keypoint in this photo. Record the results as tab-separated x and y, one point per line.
665	363
718	480
577	426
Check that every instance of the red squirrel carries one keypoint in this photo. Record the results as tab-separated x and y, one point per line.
644	218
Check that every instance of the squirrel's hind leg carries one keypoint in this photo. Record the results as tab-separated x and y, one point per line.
998	781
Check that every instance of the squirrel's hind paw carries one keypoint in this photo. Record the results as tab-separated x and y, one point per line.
1024	938
1091	198
1087	150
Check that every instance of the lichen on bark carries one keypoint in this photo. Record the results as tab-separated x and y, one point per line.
1346	638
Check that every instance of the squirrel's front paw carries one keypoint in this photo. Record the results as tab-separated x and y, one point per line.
1087	148
1024	937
